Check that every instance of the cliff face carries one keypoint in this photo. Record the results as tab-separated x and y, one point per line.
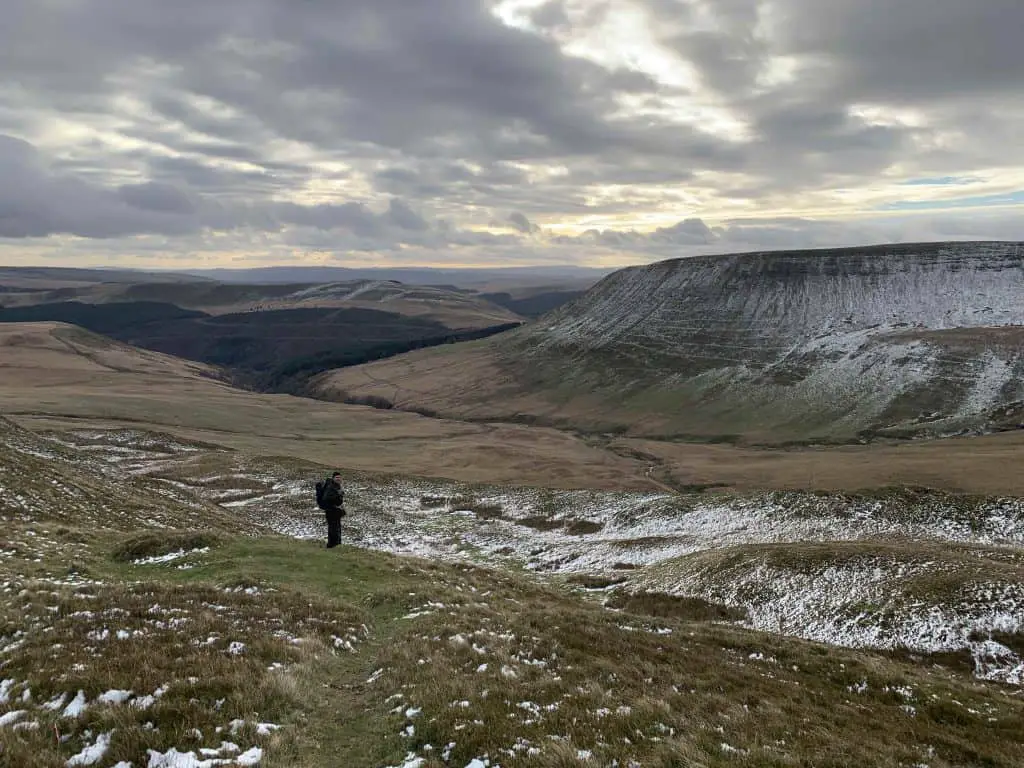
922	339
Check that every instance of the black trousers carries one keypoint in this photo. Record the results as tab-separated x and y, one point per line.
333	528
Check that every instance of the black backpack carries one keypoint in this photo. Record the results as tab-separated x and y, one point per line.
320	486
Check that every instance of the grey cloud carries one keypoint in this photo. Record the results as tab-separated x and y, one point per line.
153	196
402	216
551	16
216	112
522	224
911	50
688	232
846	54
36	202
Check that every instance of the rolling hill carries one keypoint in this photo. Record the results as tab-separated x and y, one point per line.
826	346
453	308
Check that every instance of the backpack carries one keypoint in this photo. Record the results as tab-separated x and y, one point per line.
320	487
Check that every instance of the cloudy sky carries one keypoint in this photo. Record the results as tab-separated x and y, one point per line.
193	133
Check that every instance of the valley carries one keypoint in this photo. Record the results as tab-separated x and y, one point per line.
273	337
759	509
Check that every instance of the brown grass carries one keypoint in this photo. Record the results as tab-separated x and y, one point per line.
618	690
664	606
583	527
144	545
541	523
48	384
179	643
591	581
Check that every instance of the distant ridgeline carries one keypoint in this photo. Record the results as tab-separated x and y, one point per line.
271	351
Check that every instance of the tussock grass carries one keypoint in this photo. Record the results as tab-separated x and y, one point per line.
583	527
660	605
433	502
564	680
145	545
196	659
540	523
592	581
483	510
364	657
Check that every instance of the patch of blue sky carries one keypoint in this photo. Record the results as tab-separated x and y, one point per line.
940	181
977	201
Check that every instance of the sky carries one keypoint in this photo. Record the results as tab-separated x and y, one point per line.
245	133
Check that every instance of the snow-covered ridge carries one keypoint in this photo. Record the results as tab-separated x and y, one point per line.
831	334
934	286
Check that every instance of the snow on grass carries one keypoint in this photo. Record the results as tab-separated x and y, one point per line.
12	717
170	556
411	761
76	707
931	600
114	697
93	753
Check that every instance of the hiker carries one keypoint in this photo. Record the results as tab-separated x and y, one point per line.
330	497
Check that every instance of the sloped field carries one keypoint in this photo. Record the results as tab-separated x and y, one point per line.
166	624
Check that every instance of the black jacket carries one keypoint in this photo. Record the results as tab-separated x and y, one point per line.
334	495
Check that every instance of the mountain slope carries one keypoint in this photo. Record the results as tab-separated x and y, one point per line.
769	347
206	639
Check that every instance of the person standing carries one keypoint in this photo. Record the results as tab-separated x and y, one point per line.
330	497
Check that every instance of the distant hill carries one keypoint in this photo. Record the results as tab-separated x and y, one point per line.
35	278
846	344
438	276
452	307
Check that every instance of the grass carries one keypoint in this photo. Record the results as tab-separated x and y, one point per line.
541	523
143	545
483	510
591	581
169	399
651	682
347	649
583	527
660	605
